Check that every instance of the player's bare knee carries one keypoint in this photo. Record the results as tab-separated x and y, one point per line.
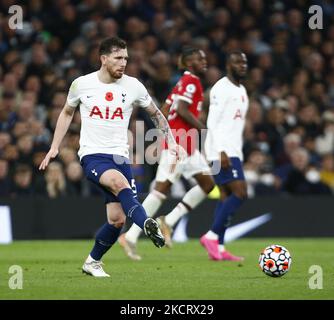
116	185
117	223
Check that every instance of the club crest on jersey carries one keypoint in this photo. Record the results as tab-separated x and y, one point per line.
191	88
107	114
109	96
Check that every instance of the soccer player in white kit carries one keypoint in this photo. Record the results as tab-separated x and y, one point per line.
183	106
106	98
223	146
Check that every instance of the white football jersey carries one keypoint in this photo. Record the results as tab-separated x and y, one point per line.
226	119
105	110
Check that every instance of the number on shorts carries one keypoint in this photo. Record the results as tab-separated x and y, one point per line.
133	186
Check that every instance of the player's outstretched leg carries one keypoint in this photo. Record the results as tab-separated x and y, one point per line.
151	229
129	239
134	210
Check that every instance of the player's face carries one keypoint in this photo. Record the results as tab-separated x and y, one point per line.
115	62
238	66
199	62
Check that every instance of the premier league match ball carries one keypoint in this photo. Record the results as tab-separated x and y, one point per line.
275	260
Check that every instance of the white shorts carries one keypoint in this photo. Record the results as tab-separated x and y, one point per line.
189	167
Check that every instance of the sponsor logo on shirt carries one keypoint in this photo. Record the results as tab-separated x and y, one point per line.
107	113
238	114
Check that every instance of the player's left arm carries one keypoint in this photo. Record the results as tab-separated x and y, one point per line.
161	123
203	116
165	109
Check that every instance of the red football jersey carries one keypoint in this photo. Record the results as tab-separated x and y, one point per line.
190	90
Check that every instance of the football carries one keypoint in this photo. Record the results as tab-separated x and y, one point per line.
275	260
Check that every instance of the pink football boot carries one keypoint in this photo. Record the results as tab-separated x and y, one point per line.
228	256
211	247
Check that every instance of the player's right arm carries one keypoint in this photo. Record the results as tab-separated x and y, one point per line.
225	160
165	109
184	98
182	109
203	116
63	123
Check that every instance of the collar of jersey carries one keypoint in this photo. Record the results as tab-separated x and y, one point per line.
189	73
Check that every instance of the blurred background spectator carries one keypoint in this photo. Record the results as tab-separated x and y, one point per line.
22	181
289	134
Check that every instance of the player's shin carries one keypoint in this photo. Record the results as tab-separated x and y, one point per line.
191	200
223	211
131	207
105	238
221	238
151	204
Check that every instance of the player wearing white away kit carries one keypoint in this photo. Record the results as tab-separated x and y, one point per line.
223	146
106	98
183	106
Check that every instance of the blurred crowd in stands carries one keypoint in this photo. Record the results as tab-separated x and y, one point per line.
289	134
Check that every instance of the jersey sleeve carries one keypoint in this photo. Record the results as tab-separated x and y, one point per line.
73	97
143	98
188	89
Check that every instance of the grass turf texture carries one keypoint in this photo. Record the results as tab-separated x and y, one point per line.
52	270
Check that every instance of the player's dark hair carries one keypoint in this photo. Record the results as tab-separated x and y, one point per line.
107	45
232	53
185	53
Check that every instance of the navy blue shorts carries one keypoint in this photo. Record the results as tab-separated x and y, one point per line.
94	165
235	172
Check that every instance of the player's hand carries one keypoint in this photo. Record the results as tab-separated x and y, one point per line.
178	151
50	155
177	154
225	161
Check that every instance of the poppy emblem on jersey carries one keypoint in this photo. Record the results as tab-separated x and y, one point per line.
109	96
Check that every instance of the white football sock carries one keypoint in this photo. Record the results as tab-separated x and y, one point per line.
89	259
221	248
192	198
211	235
151	205
174	216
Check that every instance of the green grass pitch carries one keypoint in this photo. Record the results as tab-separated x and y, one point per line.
52	270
